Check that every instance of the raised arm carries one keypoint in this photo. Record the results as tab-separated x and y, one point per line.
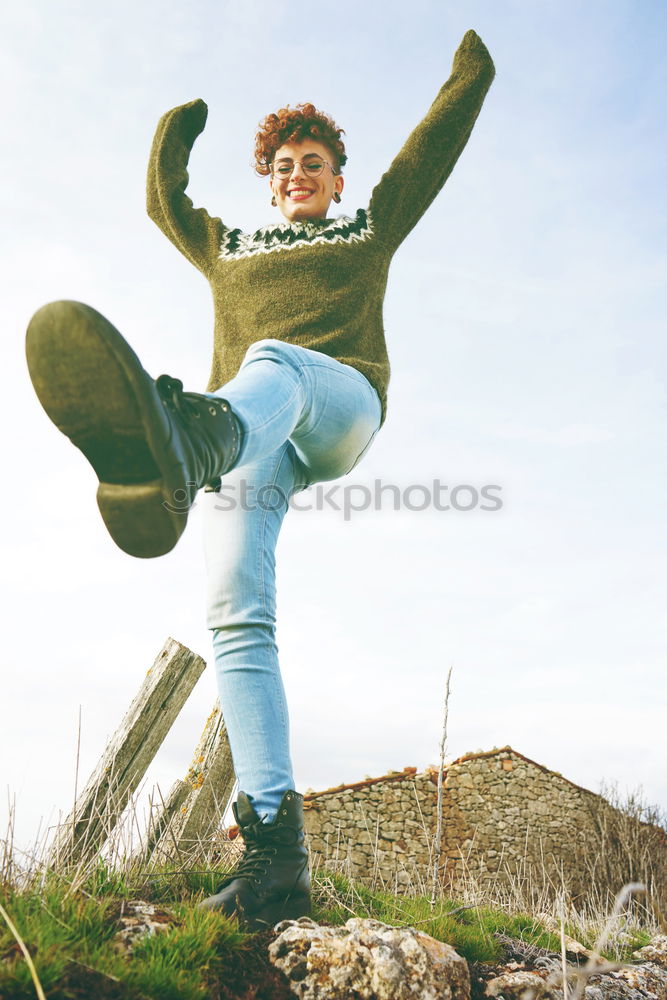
196	234
426	160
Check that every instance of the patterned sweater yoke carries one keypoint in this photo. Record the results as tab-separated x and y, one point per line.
319	282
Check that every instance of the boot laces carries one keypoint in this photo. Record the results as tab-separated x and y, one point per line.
261	844
254	862
183	403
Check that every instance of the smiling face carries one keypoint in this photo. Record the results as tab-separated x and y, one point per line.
298	194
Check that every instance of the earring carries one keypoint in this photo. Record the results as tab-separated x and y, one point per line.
336	197
273	200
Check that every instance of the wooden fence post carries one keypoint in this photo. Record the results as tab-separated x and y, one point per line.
195	807
149	718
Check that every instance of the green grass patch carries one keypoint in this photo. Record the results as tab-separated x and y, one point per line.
70	939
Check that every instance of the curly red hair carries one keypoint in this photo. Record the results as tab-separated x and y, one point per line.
294	125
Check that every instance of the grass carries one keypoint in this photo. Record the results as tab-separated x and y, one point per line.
69	934
70	937
472	927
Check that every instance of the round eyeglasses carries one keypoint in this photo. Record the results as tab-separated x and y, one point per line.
312	165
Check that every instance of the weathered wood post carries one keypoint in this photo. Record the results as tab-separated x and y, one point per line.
133	746
195	807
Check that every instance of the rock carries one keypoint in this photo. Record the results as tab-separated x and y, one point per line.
367	960
538	974
654	951
526	953
518	986
137	920
575	949
648	982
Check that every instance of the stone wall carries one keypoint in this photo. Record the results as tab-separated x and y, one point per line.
505	818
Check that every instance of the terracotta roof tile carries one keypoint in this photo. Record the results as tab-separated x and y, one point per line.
407	772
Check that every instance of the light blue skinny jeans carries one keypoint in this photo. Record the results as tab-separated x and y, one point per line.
306	418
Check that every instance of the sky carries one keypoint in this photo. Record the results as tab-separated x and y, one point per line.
525	321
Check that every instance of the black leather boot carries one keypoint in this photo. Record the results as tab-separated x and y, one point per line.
271	882
151	445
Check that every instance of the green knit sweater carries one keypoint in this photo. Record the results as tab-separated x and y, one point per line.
320	282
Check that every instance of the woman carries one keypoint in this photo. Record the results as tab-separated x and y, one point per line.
297	393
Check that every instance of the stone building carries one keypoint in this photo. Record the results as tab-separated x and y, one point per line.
504	818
